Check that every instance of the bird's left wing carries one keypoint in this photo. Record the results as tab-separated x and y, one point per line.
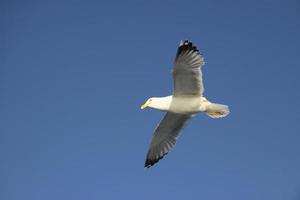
165	136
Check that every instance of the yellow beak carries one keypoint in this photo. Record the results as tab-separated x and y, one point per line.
145	105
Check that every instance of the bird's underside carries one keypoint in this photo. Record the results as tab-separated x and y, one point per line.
188	90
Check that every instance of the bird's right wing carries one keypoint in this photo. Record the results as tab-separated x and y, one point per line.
187	73
165	136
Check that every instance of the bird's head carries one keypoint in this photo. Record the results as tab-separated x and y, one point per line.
147	104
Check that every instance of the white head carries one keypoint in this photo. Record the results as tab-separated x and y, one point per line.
159	103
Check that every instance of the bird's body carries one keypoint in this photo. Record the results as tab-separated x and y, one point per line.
186	101
181	105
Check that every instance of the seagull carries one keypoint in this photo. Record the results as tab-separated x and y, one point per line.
187	100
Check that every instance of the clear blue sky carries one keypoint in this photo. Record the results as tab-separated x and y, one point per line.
74	74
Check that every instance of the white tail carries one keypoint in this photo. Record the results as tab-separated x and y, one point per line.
215	110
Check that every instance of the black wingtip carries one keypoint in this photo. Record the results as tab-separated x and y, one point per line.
186	45
150	162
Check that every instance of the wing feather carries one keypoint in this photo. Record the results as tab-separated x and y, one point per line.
187	73
165	137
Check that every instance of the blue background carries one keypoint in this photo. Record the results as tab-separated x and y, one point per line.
73	75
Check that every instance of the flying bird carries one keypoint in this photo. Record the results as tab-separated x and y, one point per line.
186	101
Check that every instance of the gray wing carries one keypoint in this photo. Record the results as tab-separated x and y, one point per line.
165	137
187	73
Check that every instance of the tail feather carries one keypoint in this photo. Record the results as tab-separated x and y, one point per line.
215	110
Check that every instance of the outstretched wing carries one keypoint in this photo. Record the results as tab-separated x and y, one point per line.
165	136
187	73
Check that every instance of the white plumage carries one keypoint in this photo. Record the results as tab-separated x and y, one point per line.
186	101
